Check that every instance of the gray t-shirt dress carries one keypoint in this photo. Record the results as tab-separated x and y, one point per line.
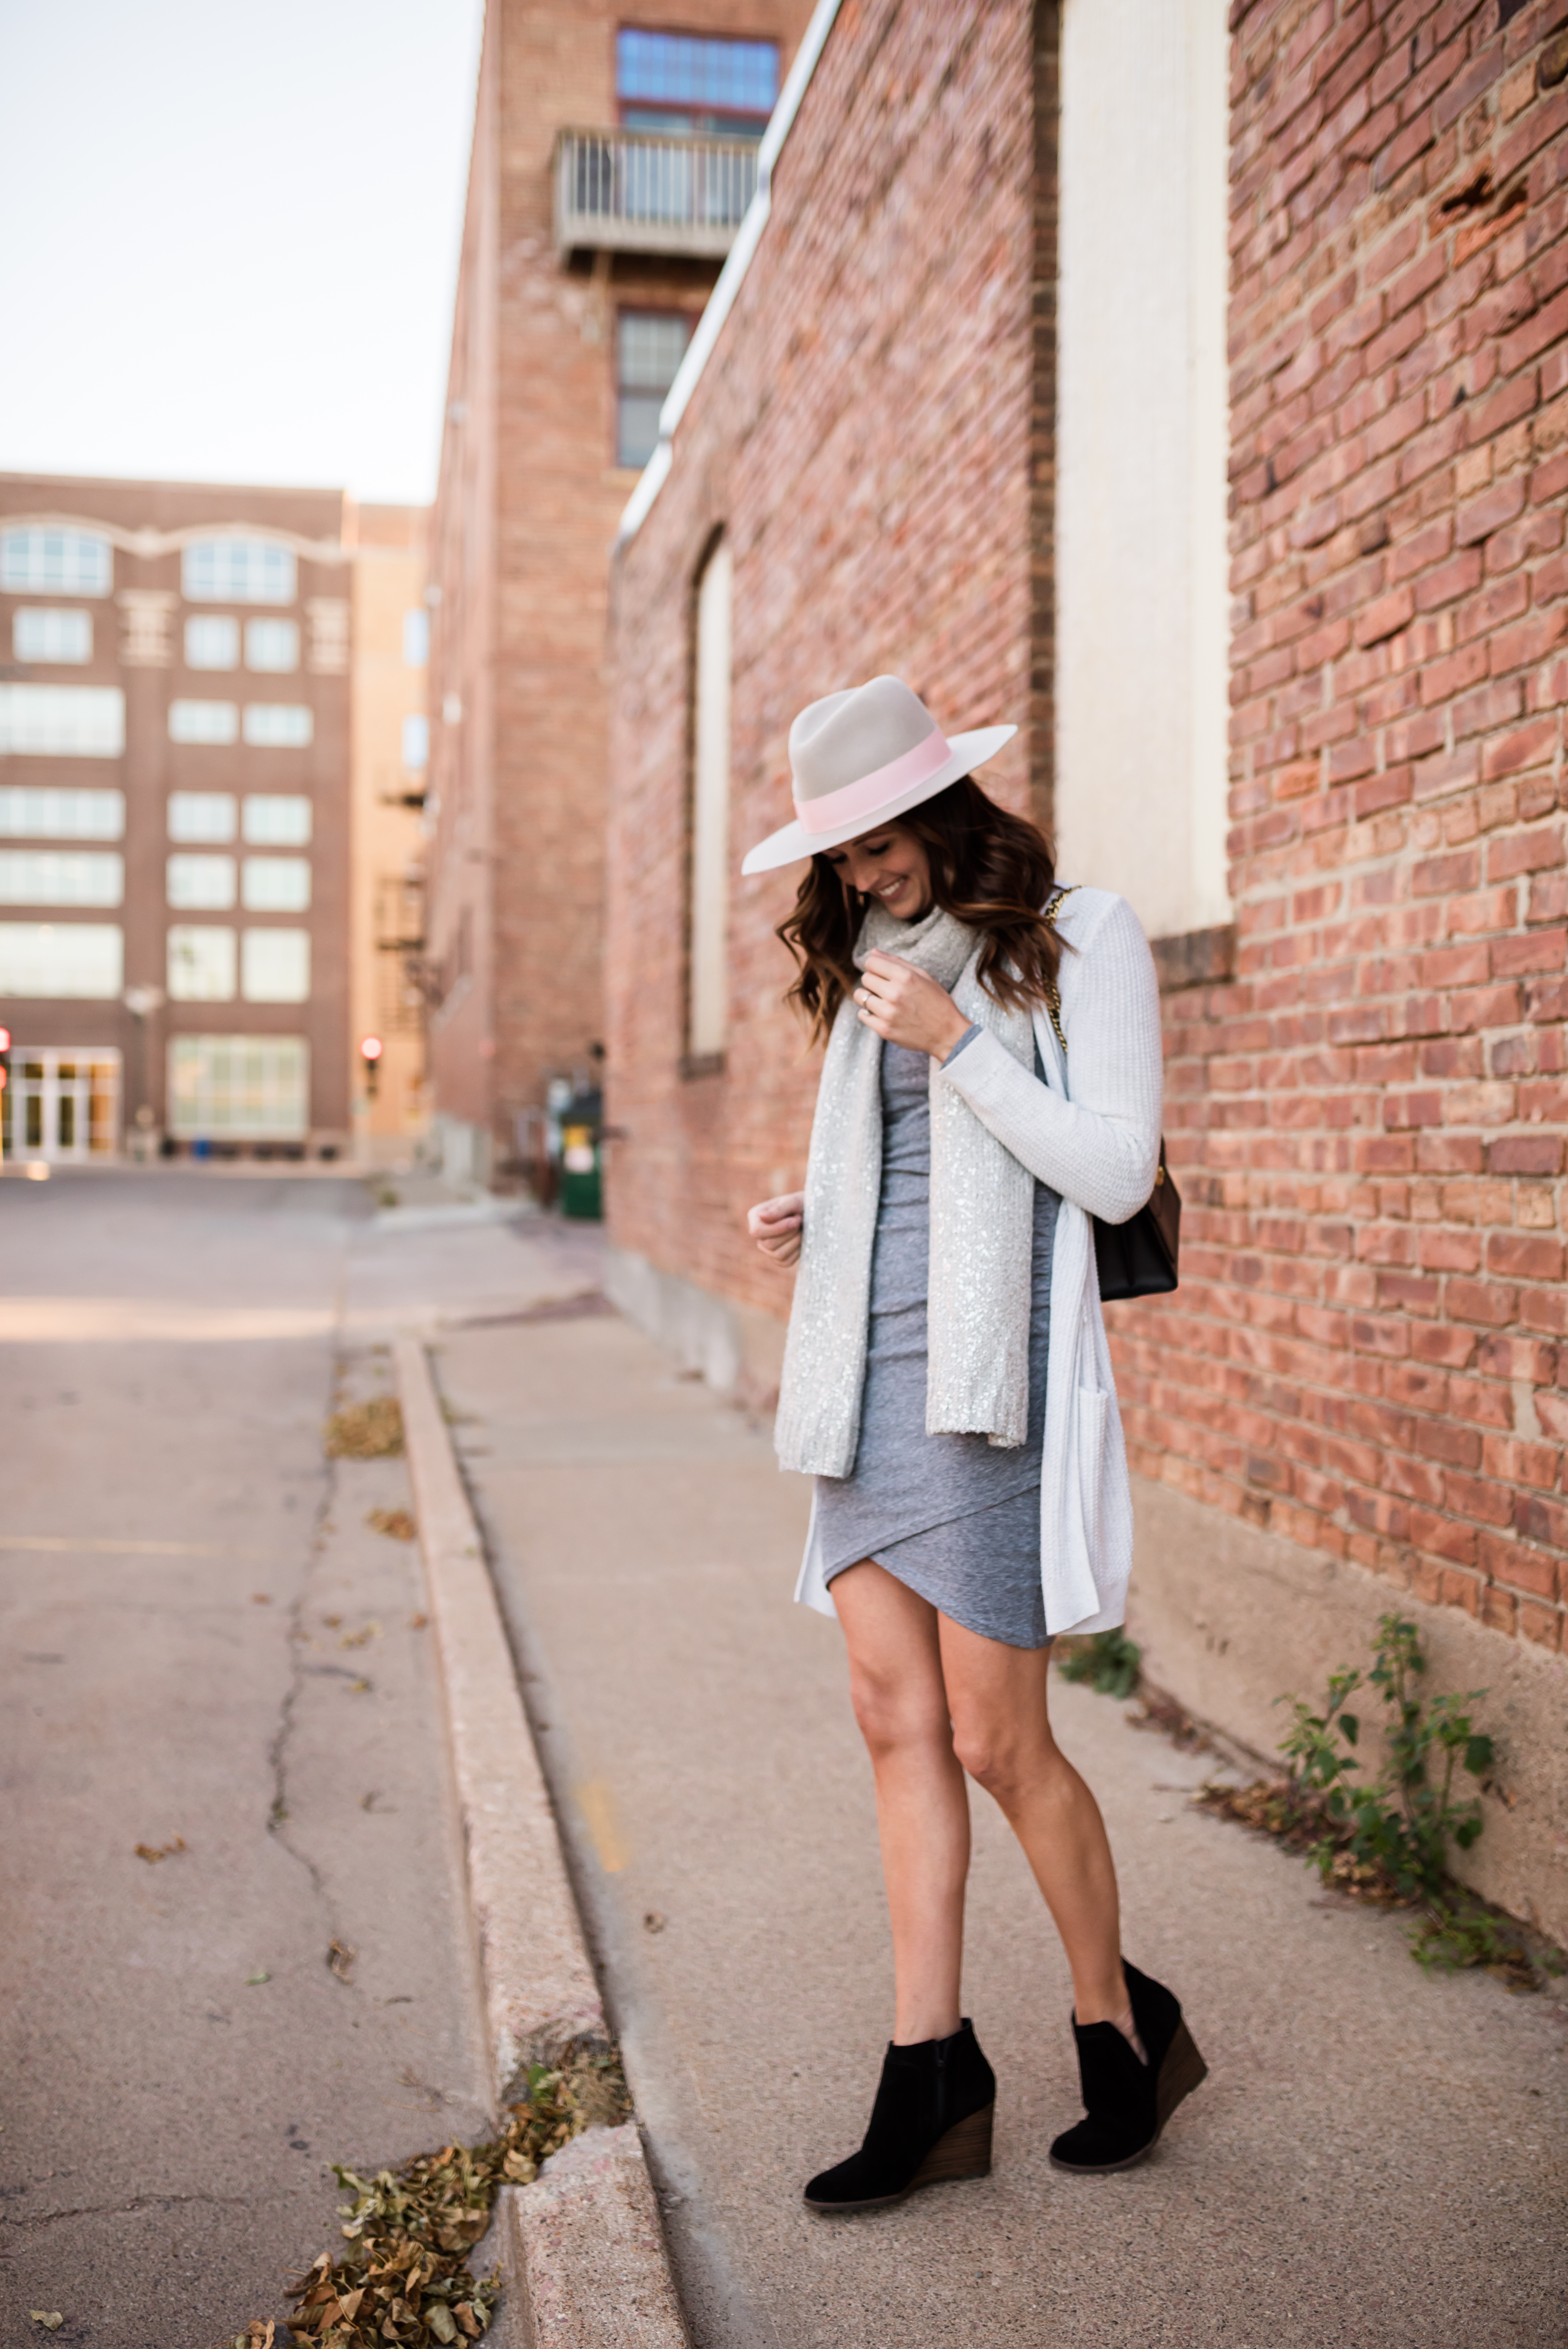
952	1516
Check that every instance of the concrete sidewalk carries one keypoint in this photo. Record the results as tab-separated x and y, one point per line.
1377	2159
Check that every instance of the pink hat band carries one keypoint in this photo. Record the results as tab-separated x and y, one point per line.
831	810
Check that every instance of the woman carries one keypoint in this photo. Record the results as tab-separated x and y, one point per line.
991	1081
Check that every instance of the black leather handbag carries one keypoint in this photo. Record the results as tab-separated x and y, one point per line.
1137	1258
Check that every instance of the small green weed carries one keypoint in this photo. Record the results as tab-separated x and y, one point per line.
1109	1661
1387	1838
1402	1823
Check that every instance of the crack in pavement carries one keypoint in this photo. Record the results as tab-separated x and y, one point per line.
298	1639
130	2210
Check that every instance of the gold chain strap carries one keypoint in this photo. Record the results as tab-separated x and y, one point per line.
1053	992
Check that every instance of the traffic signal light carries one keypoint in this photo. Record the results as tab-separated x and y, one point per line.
370	1051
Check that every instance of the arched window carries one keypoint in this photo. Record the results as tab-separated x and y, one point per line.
49	559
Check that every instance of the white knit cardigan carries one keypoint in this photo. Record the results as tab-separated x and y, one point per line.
1092	1131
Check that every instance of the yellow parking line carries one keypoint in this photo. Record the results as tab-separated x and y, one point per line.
597	1805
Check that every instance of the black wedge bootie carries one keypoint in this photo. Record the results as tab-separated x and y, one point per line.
1127	2102
931	2121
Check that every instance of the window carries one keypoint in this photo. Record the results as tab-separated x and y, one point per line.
417	744
275	884
278	725
238	571
213	641
63	721
329	618
708	883
76	958
45	814
45	631
271	644
252	1088
201	963
203	884
51	561
61	876
204	722
682	82
277	820
415	639
650	346
275	966
202	815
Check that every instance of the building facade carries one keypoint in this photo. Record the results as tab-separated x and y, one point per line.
614	158
391	756
1192	393
174	818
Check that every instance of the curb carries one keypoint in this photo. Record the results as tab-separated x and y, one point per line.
586	2246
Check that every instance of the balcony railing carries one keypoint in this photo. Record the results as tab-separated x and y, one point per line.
650	191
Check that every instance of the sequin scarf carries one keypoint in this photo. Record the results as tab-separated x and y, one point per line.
981	1231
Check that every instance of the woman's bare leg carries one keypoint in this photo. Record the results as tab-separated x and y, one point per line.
922	1804
1001	1735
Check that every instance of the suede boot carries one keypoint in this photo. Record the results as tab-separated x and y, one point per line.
1128	2103
931	2121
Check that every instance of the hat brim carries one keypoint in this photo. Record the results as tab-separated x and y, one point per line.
794	841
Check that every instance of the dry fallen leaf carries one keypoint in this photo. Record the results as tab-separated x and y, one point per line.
403	2273
340	1960
396	1523
360	1688
366	1431
49	2318
261	1598
361	1638
418	1622
250	1980
153	1852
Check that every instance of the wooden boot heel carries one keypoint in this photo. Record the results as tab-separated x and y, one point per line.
1180	2074
963	2152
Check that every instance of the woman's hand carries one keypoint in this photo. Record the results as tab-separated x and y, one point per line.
775	1226
906	1007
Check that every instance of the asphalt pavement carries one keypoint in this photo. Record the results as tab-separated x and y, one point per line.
1377	2159
208	1651
232	1945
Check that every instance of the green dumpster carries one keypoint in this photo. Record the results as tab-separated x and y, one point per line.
581	1123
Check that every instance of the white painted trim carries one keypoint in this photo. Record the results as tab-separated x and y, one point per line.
148	542
721	301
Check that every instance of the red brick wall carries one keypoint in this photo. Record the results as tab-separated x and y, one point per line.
1367	1353
528	501
864	437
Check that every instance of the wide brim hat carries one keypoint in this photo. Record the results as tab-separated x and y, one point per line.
859	758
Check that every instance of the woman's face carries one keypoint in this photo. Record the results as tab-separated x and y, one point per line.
890	866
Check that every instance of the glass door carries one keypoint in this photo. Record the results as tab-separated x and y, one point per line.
62	1106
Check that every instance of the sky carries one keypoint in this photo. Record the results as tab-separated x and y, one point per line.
229	237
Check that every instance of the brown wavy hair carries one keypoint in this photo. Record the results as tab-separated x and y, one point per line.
989	869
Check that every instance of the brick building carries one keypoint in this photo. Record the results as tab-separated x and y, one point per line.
969	414
174	724
390	762
613	157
